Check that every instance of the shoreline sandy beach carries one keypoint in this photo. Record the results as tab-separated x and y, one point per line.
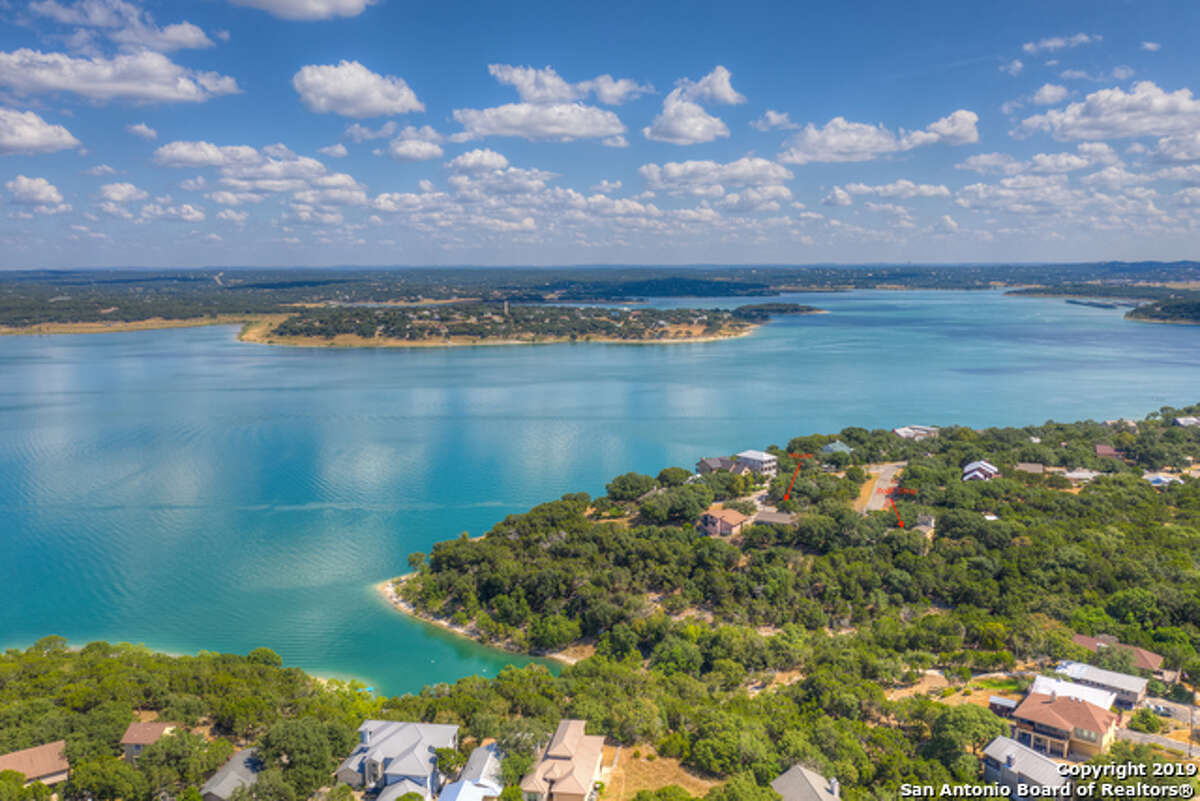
387	590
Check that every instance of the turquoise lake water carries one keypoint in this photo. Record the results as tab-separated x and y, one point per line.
191	492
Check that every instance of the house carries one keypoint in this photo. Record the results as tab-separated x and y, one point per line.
1006	762
1142	659
1107	452
1060	726
240	771
925	524
980	471
915	432
480	778
139	735
395	758
770	518
1001	706
721	522
1048	685
759	462
43	763
1130	690
1187	422
713	464
569	768
1081	476
837	446
1161	479
1121	423
799	783
1031	467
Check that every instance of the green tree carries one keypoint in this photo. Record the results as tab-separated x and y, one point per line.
300	747
106	780
673	476
630	486
742	787
963	727
269	786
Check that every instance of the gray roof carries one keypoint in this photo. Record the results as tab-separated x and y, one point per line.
998	701
483	765
480	777
837	446
1107	678
801	784
1027	763
394	791
778	518
403	749
240	771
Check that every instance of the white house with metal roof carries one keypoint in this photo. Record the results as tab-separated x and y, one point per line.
395	758
1130	690
1047	685
758	461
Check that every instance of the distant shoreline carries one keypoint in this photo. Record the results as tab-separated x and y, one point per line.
258	332
387	590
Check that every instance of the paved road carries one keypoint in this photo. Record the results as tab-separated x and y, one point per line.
885	480
1130	736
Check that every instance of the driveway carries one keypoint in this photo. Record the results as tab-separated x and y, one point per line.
885	482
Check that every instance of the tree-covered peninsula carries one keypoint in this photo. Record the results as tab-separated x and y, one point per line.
499	323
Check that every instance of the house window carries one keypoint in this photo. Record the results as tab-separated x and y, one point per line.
1084	734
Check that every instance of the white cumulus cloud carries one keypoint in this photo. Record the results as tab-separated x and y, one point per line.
337	151
124	23
351	90
562	122
683	121
709	178
1146	110
143	130
902	188
122	193
37	192
204	154
1152	47
842	140
482	160
837	197
772	119
547	86
308	9
1049	94
413	150
23	132
1013	67
143	76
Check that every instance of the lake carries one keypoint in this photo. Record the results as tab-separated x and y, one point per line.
191	492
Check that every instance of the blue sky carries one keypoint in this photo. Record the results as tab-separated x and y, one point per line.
350	132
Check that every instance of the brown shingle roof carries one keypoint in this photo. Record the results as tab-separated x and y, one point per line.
1142	659
731	516
1064	713
39	761
146	733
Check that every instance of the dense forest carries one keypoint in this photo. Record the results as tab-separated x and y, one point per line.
38	297
1172	311
852	603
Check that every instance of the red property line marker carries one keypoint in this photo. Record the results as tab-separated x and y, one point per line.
897	511
800	457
